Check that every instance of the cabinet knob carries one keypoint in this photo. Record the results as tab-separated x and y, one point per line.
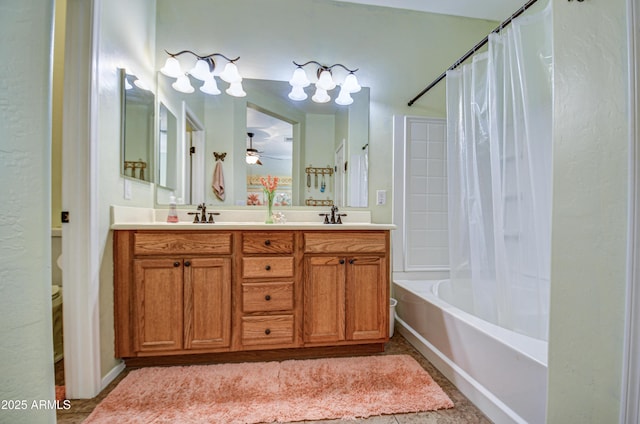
267	242
267	331
351	261
267	297
341	261
176	264
187	263
268	267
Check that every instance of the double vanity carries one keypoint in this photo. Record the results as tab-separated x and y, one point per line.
240	289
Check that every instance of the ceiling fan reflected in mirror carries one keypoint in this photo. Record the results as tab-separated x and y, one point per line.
253	156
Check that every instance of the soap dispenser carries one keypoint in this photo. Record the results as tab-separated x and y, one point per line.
173	213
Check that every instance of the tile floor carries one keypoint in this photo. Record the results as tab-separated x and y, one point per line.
463	412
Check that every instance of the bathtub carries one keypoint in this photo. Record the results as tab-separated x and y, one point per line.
503	373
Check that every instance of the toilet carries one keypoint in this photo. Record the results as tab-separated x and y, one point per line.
56	312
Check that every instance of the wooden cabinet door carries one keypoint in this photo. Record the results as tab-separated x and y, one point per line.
207	303
158	304
324	301
366	298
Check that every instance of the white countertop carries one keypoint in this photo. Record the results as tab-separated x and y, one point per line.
131	218
249	226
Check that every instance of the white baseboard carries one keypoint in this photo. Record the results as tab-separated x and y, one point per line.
111	375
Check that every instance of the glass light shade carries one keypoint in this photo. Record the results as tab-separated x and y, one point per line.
297	93
230	73
325	81
344	98
171	68
235	90
183	84
351	84
252	159
141	85
201	70
210	86
299	79
320	96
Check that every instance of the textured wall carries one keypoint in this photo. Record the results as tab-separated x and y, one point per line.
589	211
26	356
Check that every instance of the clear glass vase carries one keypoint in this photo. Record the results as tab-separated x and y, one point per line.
269	219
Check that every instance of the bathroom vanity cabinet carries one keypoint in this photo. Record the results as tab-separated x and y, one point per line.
209	291
173	292
346	287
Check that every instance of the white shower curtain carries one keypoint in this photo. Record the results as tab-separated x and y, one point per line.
499	112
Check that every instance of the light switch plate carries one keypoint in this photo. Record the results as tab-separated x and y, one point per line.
127	189
381	197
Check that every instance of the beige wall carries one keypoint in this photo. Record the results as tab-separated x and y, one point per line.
589	220
133	49
56	136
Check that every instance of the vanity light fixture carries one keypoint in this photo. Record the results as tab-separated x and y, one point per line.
137	82
325	83
203	70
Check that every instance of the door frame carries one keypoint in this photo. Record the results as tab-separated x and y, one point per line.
80	196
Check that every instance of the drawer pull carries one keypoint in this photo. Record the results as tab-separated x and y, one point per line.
352	261
267	297
268	267
176	264
267	331
341	261
267	242
187	263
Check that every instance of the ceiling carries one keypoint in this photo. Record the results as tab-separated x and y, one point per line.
495	10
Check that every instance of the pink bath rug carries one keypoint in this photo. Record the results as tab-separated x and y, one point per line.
258	392
60	393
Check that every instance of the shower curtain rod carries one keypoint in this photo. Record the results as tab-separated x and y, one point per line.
474	49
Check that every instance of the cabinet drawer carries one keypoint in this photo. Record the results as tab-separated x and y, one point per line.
273	329
345	242
267	297
267	267
169	243
271	242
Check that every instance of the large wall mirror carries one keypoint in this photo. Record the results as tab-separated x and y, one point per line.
319	151
137	128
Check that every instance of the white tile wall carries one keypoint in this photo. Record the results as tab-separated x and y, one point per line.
425	212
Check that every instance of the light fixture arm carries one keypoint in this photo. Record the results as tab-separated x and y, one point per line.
207	58
324	67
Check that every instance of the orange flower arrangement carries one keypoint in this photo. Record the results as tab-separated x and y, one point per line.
269	186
